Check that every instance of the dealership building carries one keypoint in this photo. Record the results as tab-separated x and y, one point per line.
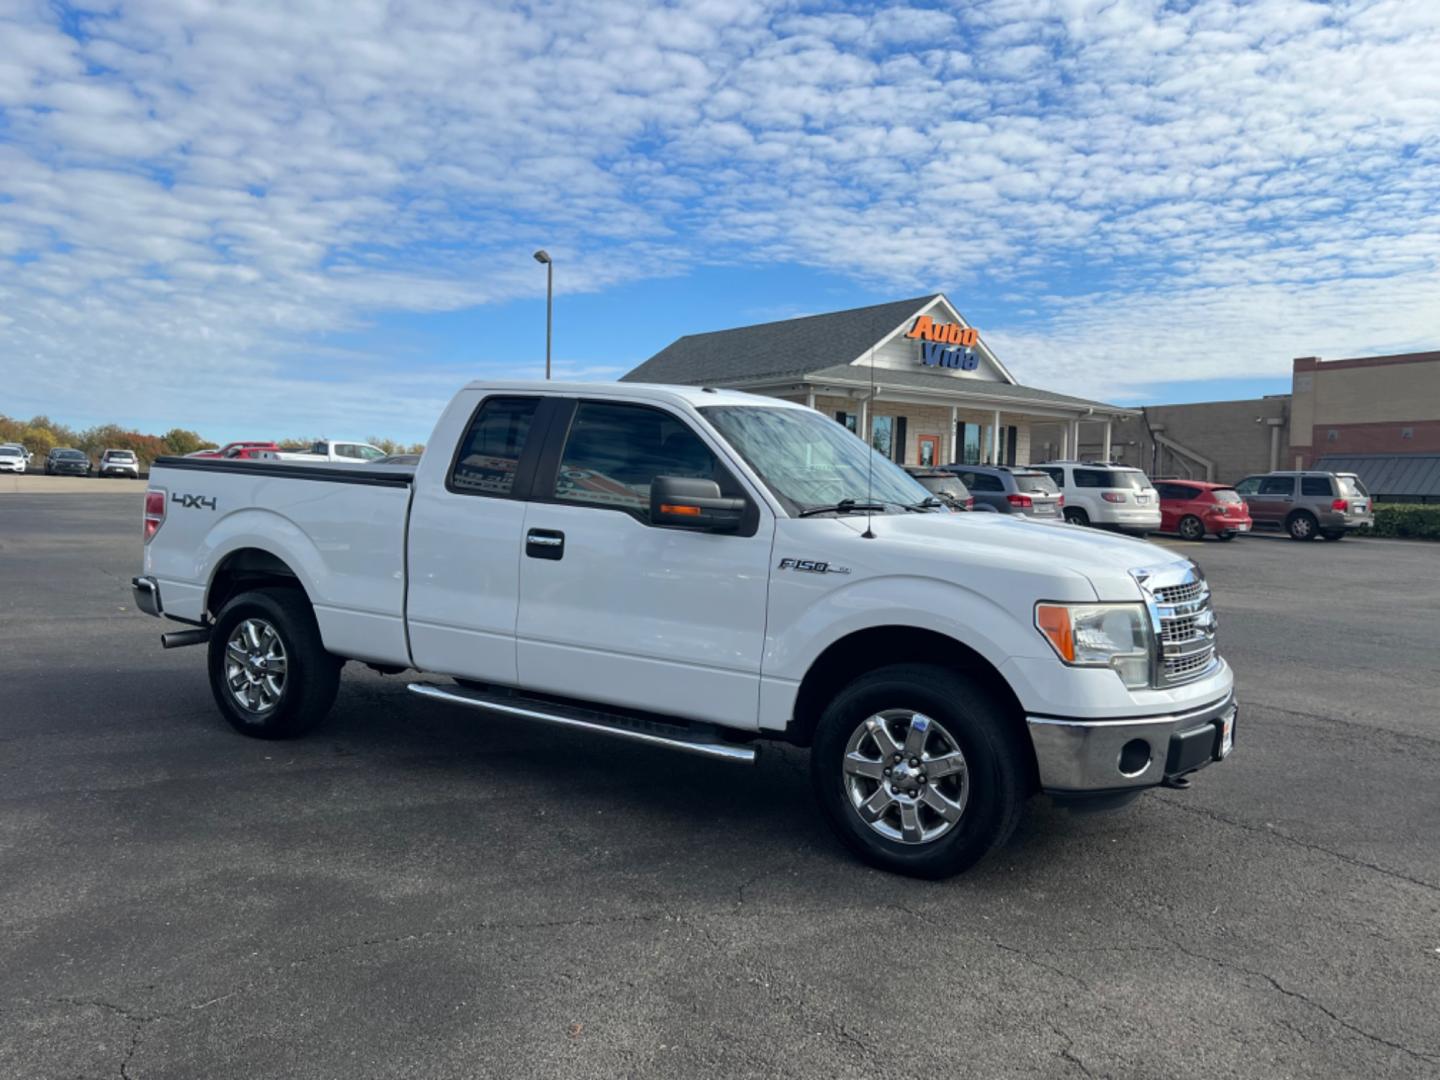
913	374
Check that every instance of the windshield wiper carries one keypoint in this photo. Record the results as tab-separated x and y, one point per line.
844	506
928	503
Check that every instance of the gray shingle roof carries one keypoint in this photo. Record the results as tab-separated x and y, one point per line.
788	347
925	380
1390	475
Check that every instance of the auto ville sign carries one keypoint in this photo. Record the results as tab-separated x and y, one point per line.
947	345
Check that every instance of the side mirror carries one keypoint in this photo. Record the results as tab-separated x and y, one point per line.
681	503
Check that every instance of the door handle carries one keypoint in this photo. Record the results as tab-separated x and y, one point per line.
545	544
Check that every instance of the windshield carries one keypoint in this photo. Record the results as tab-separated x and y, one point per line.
808	460
1035	484
1351	487
68	454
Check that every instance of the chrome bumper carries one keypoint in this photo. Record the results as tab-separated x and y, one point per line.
1080	756
147	595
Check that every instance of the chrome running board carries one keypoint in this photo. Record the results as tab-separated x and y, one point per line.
657	733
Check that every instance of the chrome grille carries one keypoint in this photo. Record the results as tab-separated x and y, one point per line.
1185	623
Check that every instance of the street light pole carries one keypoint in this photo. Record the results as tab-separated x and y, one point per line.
543	256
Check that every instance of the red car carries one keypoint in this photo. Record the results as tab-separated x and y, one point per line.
1196	508
239	450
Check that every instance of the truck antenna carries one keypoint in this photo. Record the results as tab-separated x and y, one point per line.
869	534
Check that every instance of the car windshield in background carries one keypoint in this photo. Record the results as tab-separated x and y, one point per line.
809	461
1226	495
1352	488
120	455
70	455
1035	483
944	485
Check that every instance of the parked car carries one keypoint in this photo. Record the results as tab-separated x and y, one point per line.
1308	504
63	461
120	463
398	459
205	451
1195	509
345	453
238	450
698	569
12	459
1011	489
1107	495
945	486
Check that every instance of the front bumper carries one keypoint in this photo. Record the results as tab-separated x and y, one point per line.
1079	757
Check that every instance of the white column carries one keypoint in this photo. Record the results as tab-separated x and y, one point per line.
995	439
864	431
810	396
1106	455
954	453
1065	441
1075	437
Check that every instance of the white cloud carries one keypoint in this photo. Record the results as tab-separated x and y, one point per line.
189	191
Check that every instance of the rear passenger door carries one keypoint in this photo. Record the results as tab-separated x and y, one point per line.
463	565
616	610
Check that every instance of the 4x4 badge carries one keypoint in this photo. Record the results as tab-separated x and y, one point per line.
192	502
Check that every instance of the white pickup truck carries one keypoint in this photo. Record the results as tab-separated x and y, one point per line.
702	569
342	453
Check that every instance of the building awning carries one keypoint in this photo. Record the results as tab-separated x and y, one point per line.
1414	476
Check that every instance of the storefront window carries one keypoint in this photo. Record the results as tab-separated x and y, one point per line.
970	444
882	435
850	420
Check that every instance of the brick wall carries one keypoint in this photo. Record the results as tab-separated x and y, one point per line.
1383	438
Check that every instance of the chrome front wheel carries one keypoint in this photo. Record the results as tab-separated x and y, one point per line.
906	776
255	666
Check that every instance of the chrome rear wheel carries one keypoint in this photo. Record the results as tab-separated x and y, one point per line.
255	665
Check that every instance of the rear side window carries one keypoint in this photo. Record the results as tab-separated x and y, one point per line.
983	482
490	452
614	452
1035	484
1057	475
1278	485
1315	485
1092	478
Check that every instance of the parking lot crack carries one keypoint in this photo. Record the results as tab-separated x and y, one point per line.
1067	1052
1270	830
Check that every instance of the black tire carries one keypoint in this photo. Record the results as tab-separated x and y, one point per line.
311	677
997	773
1226	536
1302	525
1191	528
1075	516
1333	534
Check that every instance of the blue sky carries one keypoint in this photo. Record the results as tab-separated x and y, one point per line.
267	220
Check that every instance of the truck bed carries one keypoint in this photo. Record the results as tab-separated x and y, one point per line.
339	528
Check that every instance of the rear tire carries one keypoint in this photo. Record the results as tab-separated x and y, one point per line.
1191	528
1075	516
270	626
1302	526
988	781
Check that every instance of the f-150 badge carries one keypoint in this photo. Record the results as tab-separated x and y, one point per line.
811	566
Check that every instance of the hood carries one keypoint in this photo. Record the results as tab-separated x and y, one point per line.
1104	559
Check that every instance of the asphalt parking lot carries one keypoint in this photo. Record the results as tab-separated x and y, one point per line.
417	891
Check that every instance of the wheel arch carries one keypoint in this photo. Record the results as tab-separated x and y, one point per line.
869	649
247	568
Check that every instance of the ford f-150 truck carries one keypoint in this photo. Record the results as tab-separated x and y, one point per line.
701	570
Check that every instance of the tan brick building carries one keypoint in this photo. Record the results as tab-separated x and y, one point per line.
913	374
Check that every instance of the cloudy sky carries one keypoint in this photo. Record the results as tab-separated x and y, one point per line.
257	218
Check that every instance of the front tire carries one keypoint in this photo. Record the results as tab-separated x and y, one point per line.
269	672
957	790
1192	528
1226	536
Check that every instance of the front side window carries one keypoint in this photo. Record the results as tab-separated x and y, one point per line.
810	462
369	453
1249	486
1277	485
613	454
490	452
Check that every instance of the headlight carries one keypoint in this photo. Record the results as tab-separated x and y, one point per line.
1100	635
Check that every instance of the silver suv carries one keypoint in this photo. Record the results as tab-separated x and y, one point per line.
120	463
1308	504
1105	494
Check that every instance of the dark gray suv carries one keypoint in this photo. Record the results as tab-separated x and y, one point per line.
1011	489
1308	504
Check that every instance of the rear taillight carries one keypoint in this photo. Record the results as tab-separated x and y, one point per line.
970	502
1060	501
1021	501
1340	505
1113	496
154	512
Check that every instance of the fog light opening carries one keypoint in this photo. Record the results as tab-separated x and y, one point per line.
1134	757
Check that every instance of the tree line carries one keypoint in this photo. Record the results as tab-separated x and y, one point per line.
40	435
